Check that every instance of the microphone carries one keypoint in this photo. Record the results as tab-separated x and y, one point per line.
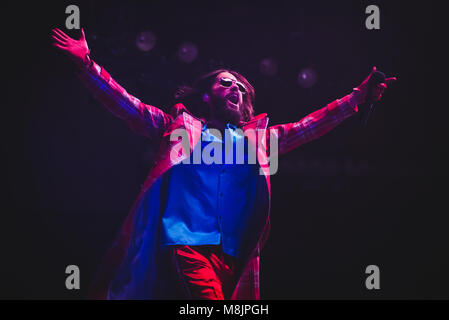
375	78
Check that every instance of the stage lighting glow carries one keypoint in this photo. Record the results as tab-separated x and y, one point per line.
307	78
146	40
268	66
187	52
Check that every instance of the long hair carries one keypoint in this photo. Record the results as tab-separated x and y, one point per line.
192	96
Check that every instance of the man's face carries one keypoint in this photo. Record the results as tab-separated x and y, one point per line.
226	98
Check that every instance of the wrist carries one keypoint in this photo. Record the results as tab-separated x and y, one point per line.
356	97
87	60
349	101
84	62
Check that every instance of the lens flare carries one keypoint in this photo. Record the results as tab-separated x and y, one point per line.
307	78
146	40
268	66
187	52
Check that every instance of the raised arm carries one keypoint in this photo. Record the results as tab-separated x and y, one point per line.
316	124
143	119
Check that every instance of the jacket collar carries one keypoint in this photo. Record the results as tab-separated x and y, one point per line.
179	108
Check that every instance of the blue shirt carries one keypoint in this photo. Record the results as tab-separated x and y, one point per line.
209	204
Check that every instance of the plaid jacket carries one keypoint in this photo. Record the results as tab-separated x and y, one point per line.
157	125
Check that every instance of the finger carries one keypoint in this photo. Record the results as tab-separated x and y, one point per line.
83	37
57	41
382	86
57	38
59	31
59	46
391	80
61	34
369	76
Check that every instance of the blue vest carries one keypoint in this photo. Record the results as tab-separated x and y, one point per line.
209	204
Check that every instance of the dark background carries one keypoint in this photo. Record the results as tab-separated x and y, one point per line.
352	198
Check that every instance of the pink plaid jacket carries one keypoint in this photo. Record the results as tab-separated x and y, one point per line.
157	125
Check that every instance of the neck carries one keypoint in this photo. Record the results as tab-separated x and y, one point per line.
217	124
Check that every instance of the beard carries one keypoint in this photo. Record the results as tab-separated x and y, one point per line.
227	112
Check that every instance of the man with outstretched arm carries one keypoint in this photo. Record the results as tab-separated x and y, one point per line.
197	226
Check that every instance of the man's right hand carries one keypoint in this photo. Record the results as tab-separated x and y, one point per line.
77	50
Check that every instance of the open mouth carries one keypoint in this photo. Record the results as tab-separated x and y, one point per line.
233	99
232	105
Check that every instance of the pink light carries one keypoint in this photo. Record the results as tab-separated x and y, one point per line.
146	40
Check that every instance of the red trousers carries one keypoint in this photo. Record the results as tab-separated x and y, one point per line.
205	271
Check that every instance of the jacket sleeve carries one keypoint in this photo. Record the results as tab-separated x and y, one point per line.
143	119
316	124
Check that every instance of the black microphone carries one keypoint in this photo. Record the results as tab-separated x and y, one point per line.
375	78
